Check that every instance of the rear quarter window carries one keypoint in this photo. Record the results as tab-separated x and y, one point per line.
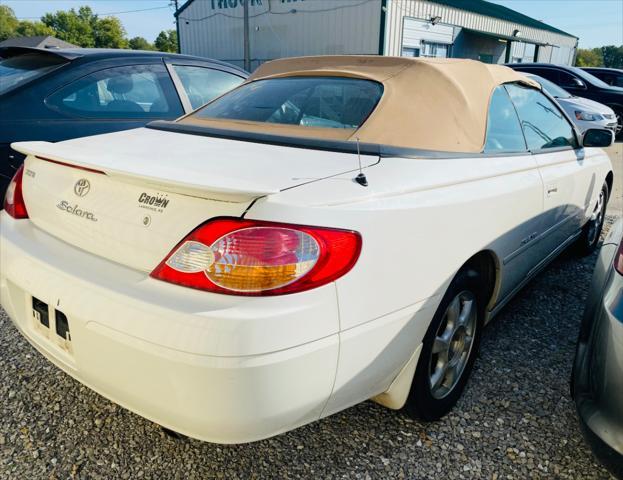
504	133
131	91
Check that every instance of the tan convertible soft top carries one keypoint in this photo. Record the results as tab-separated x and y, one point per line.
427	103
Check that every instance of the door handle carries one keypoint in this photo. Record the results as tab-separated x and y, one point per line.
551	189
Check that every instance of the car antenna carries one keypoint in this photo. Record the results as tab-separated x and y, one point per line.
361	177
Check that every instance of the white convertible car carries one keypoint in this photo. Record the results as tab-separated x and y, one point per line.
333	230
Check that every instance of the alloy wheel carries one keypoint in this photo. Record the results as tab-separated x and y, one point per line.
597	218
452	345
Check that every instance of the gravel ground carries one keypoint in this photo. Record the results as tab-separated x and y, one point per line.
515	420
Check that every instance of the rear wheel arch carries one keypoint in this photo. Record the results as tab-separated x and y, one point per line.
450	346
487	264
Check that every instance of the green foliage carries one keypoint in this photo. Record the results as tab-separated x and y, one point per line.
8	23
589	57
73	26
166	41
11	27
139	43
32	29
84	28
109	33
613	56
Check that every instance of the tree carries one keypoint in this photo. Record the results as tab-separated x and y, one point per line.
139	43
8	22
167	41
589	57
85	28
73	27
32	29
613	56
109	33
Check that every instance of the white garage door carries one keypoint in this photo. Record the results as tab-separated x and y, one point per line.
422	38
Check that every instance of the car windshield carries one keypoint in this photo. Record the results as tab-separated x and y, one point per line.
589	78
550	87
19	70
325	102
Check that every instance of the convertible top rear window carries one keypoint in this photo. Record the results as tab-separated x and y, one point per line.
324	102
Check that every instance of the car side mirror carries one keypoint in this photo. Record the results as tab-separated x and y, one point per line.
598	137
577	83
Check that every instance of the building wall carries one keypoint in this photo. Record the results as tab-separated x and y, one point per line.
280	28
398	10
478	47
556	54
286	28
523	52
417	30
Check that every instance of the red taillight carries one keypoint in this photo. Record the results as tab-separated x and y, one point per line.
618	259
14	199
248	257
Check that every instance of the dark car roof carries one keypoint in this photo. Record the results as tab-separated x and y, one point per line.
106	53
603	69
536	64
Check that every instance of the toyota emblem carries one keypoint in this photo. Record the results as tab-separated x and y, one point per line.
82	187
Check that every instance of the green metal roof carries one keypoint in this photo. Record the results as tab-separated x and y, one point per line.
498	11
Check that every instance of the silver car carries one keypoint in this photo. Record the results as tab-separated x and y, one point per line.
584	112
597	380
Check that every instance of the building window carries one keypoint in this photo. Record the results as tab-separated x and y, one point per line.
485	58
410	52
435	50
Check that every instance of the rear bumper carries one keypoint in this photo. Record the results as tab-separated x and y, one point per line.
612	459
190	361
598	368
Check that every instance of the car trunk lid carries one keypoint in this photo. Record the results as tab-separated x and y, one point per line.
132	196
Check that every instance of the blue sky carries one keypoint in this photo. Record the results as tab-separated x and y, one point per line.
596	22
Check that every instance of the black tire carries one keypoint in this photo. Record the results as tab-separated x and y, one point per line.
422	404
589	238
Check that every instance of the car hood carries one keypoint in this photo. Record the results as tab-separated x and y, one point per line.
585	104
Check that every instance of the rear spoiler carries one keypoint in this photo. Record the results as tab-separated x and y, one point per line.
161	176
8	52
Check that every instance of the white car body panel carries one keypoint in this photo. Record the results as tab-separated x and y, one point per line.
569	193
195	188
129	154
395	213
233	369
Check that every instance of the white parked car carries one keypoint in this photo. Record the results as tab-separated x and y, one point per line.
333	230
584	112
